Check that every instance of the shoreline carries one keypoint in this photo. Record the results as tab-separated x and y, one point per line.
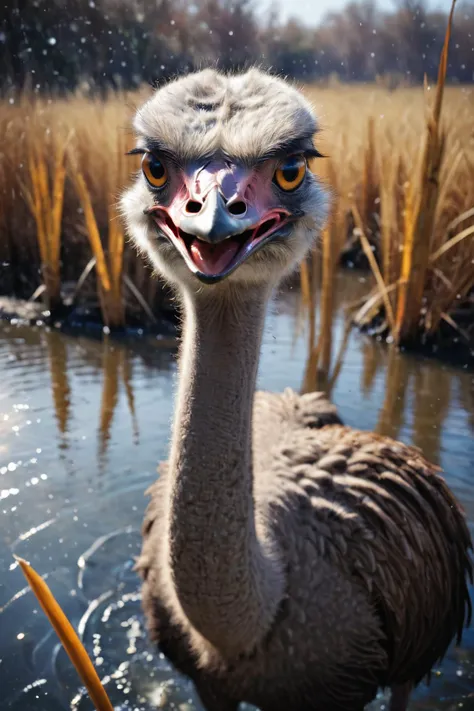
447	347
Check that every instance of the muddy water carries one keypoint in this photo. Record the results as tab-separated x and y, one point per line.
83	425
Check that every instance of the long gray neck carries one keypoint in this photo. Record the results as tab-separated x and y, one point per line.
224	571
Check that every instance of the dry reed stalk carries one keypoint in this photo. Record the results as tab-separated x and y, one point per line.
318	365
45	201
108	268
458	292
308	293
392	172
325	258
311	380
68	637
339	358
370	187
304	283
116	238
327	299
422	204
462	279
387	211
398	117
116	243
374	267
408	239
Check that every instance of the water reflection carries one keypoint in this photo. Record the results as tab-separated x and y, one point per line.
57	356
373	363
428	417
106	408
117	366
392	413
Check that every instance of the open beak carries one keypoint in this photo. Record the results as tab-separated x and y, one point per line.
212	239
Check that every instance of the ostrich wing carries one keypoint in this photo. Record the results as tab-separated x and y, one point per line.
378	511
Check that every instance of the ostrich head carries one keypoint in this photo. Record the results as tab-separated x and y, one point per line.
224	190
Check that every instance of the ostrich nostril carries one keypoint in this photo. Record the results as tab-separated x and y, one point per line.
237	208
193	207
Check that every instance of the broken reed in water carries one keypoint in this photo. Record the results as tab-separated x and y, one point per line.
68	637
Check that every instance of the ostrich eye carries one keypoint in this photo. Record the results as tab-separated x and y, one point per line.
154	171
290	173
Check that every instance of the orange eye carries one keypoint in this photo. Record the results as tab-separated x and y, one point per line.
289	174
154	170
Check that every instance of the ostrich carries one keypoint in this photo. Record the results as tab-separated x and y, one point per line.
288	561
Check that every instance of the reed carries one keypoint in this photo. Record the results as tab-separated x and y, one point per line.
426	224
68	637
62	167
321	268
44	197
374	168
108	265
421	204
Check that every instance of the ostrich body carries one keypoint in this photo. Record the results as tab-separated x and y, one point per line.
288	561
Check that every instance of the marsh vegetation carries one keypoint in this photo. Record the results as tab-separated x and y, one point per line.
399	163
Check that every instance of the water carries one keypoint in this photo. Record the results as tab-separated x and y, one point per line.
83	425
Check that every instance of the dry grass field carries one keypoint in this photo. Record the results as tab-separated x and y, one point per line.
62	166
374	139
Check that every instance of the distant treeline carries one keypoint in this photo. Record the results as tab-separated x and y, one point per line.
63	45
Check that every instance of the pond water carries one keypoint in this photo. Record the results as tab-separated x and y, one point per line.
83	425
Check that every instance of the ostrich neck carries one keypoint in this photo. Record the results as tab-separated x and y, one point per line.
225	577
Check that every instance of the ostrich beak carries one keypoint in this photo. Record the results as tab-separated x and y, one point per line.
215	237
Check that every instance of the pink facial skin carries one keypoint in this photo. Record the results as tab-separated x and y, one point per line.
220	185
233	182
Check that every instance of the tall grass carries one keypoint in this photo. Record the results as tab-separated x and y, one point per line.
420	210
44	197
62	168
412	210
108	266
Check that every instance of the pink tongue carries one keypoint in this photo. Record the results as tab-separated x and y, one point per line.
213	259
